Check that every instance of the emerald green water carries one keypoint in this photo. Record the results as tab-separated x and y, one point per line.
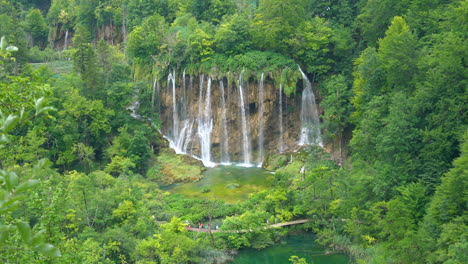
228	183
301	245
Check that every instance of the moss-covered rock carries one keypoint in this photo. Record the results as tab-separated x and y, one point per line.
291	169
274	161
171	168
233	186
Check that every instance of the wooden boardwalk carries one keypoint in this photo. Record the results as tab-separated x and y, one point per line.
296	222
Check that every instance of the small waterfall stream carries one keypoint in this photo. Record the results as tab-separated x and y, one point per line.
245	133
153	92
280	117
205	126
310	127
65	42
175	117
225	136
184	98
261	122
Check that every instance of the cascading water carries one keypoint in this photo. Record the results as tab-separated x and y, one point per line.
205	125
153	92
184	98
190	131
65	43
280	140
261	139
310	123
245	133
175	117
184	134
225	137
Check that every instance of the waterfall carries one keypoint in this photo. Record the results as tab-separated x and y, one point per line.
184	97
188	138
175	117
184	136
310	127
190	126
280	141
205	125
245	133
225	138
153	92
261	122
65	43
200	96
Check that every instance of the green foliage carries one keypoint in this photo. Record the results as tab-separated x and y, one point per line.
174	168
337	106
275	161
311	45
398	198
36	26
144	41
297	260
120	166
275	22
232	36
86	64
376	15
398	53
13	192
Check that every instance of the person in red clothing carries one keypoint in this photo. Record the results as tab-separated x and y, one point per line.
200	225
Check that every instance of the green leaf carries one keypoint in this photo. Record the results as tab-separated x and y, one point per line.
26	185
3	139
45	109
48	250
21	113
8	123
10	205
40	108
25	231
11	180
11	49
42	163
4	232
37	238
3	43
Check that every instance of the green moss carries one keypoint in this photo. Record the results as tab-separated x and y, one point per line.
292	168
275	161
232	186
170	168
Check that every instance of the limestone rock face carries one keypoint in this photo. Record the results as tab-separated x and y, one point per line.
193	113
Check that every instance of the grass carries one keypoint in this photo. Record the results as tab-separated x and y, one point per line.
58	67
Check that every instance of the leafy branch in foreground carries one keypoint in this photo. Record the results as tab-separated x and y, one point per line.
12	191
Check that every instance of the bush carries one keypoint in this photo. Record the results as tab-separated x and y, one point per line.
36	55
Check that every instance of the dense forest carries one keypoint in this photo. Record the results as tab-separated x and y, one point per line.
80	176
